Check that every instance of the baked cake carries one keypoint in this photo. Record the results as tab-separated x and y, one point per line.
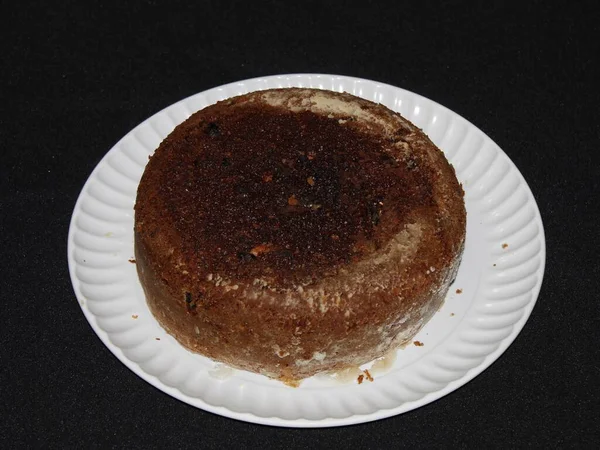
294	231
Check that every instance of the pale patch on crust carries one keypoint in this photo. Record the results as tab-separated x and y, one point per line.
316	356
334	105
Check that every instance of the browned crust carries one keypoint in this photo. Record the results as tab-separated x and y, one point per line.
287	321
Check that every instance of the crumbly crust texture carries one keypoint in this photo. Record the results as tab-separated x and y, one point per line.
294	231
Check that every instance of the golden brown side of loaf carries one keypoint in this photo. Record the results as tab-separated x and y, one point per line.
293	231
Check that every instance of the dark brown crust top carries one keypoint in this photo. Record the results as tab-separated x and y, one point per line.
282	204
251	188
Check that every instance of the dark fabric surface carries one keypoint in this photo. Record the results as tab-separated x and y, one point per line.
76	77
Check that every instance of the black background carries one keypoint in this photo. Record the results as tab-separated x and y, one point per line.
76	77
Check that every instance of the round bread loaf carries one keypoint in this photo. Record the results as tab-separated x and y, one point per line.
294	231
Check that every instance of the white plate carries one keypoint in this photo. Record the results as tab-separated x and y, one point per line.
500	276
